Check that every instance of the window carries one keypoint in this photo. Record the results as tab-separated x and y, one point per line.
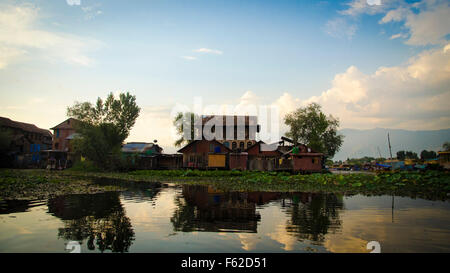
57	132
241	145
226	144
211	147
249	144
234	145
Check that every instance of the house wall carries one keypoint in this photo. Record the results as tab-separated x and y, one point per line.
256	151
196	155
305	163
61	140
238	161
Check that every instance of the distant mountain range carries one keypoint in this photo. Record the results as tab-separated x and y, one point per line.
360	143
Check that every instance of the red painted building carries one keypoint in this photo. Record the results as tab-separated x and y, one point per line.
63	133
204	154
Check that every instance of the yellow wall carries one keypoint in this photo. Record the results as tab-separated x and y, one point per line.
216	160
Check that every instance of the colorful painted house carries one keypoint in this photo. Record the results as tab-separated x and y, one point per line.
63	134
205	154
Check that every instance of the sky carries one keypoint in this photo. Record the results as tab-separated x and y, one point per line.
370	63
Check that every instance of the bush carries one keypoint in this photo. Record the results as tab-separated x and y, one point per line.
85	166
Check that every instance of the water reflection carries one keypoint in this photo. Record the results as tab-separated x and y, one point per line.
312	216
100	219
204	209
202	219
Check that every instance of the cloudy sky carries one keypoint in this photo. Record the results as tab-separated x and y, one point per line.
371	63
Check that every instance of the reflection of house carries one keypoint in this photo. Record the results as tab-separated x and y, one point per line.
239	132
63	134
205	154
27	140
213	211
444	159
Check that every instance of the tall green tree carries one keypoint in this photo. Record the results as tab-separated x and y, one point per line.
103	127
424	155
310	126
402	155
180	121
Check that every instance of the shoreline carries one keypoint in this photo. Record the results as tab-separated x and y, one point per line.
29	183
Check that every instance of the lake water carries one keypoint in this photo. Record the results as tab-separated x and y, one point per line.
200	219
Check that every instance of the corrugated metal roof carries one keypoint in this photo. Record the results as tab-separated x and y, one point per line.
137	147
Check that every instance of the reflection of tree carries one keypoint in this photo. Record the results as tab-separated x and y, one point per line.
314	218
99	218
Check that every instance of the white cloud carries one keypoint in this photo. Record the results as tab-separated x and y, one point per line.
20	37
398	35
411	96
73	2
357	7
208	50
189	58
91	12
426	21
340	28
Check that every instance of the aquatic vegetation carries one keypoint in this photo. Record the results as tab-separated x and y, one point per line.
434	185
40	184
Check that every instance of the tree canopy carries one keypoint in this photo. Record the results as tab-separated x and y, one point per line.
424	155
310	126
103	127
402	155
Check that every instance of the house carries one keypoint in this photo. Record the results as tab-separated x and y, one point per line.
27	140
239	132
142	155
302	159
141	148
205	154
63	134
263	157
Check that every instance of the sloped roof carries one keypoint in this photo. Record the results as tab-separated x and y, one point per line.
195	141
138	147
275	145
27	127
67	124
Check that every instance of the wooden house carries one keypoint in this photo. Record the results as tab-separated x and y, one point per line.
263	157
205	154
26	143
63	134
302	159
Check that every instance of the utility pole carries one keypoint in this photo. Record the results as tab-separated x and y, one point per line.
390	151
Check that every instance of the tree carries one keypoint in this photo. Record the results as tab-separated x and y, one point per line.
446	146
402	155
424	155
103	127
310	126
185	119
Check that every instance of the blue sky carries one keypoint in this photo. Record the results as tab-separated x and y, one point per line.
286	53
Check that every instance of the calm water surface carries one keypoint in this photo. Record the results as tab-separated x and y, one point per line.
200	219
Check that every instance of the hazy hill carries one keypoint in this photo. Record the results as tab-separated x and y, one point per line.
359	143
